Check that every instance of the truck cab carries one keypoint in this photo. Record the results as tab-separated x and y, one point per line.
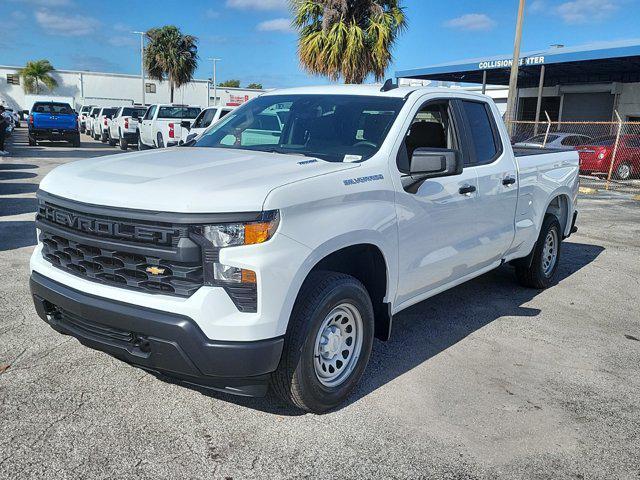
270	253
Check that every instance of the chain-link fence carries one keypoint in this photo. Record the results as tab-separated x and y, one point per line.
609	151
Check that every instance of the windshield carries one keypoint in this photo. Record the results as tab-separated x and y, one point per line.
178	112
335	128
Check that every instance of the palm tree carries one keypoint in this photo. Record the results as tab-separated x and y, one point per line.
36	72
347	39
170	55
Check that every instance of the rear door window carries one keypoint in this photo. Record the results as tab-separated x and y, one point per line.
483	132
175	112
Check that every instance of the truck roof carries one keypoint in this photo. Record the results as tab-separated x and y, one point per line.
365	90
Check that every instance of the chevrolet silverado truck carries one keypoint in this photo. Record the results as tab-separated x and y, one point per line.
53	121
244	260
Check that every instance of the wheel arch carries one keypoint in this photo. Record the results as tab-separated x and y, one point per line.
560	205
367	263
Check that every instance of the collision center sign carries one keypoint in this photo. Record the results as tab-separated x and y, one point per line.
489	64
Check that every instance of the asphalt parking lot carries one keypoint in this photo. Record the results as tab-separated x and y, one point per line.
488	380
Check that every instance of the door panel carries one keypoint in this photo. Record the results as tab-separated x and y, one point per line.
436	234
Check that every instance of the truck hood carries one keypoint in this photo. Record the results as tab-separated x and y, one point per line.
184	180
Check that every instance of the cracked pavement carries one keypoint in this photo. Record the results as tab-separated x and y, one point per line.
488	380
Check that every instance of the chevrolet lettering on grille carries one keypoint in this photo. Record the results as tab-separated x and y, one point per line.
106	227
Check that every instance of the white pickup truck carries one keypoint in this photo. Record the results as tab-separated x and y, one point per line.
123	127
253	259
162	125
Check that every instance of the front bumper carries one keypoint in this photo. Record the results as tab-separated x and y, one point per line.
155	340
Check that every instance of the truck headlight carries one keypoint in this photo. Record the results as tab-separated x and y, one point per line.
240	283
246	233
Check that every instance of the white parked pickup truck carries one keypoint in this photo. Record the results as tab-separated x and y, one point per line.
123	127
252	259
162	125
207	117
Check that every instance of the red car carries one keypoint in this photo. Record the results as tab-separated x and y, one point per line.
595	158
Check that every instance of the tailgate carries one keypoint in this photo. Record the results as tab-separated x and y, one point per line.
62	121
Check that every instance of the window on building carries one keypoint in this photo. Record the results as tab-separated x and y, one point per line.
13	79
150	87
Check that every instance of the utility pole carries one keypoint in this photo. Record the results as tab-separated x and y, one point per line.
513	79
142	34
215	85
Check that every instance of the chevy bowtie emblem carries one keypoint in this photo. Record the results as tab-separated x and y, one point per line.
155	270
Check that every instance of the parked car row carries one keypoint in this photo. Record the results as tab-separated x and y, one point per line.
596	154
156	126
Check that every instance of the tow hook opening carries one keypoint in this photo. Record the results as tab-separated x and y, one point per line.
142	343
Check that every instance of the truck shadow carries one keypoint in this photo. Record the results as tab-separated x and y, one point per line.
17	234
430	327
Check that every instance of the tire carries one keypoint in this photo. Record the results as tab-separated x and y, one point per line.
82	129
160	141
542	272
104	137
123	142
96	136
32	141
112	142
323	298
75	142
624	171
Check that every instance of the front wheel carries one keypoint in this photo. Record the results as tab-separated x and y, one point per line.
328	342
541	273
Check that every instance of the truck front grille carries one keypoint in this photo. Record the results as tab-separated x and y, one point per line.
120	268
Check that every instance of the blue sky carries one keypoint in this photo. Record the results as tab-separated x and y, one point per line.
256	45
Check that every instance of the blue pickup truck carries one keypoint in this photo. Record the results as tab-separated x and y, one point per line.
53	121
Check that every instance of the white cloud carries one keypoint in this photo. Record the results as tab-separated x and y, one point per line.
211	13
472	21
66	25
585	11
258	4
538	6
275	25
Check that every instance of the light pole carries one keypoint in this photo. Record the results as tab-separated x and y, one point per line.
142	34
215	85
513	79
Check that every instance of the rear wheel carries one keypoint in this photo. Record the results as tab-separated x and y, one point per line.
328	342
123	142
160	141
624	171
541	273
76	141
32	141
112	142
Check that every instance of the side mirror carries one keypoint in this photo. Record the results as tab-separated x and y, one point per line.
185	124
431	163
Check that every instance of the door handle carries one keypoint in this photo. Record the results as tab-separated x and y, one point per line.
509	181
467	189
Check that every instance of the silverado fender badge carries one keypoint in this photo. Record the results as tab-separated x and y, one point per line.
307	162
370	178
155	270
